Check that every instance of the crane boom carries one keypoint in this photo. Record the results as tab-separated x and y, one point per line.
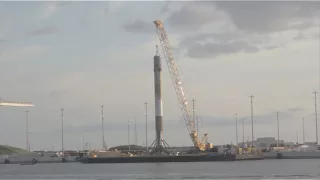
176	80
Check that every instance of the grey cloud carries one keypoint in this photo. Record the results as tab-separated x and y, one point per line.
307	8
107	8
165	8
216	49
302	36
303	25
218	121
295	109
254	21
43	31
3	40
265	17
218	37
59	93
187	18
115	127
138	26
63	3
215	44
267	118
271	47
257	17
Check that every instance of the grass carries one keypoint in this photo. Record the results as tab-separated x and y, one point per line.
126	147
4	149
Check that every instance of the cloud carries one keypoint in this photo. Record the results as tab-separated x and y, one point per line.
219	37
223	121
222	28
57	94
228	29
304	36
25	52
138	26
216	44
216	49
165	8
113	6
2	41
192	16
111	126
266	17
52	7
49	9
115	127
263	119
64	3
295	109
43	31
67	85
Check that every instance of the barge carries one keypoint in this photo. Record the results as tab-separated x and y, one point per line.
117	157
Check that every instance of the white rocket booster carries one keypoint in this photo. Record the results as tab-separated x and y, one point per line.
158	99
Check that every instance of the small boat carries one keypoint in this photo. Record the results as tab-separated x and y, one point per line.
33	162
27	164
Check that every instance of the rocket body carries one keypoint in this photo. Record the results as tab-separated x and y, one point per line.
158	99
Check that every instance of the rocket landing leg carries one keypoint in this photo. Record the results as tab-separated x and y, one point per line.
159	150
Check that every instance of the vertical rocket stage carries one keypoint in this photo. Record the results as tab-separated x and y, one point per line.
159	144
158	99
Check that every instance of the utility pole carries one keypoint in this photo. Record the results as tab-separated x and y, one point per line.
316	114
278	128
62	149
236	128
243	132
297	137
251	97
146	109
27	132
102	127
135	132
303	130
83	148
129	134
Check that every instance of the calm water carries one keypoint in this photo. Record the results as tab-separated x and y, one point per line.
266	169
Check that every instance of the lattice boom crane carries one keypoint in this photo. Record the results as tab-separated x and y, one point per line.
176	80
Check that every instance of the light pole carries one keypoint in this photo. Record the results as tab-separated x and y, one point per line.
236	128
135	131
102	128
303	130
62	149
27	131
243	132
278	128
129	134
316	114
251	97
146	113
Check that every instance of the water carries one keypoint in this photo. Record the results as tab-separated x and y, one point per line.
265	169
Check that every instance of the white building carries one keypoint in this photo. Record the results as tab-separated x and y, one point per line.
263	142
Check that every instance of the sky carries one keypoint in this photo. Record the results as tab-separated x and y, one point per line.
81	55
